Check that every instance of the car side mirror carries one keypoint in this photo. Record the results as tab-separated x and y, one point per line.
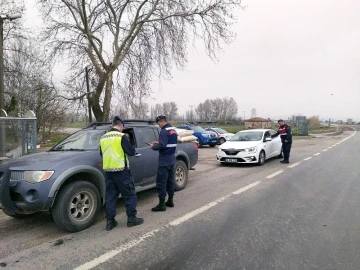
268	139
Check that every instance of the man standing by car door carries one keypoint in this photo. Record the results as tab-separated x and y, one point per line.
286	139
115	149
166	170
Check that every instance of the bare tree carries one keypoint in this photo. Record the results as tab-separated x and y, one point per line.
170	110
129	40
156	110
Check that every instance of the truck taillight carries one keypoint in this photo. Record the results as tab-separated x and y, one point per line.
196	147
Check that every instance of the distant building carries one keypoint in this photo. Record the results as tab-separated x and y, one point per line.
257	122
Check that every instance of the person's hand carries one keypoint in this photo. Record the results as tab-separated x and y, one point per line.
153	143
127	135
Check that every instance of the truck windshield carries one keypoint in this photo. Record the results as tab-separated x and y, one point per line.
198	129
82	140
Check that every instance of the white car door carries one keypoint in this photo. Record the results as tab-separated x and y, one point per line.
268	145
276	143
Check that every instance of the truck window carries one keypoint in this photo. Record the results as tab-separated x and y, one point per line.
145	135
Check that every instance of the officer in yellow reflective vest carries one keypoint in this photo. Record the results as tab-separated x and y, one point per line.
115	149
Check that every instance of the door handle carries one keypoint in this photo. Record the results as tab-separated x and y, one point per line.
137	155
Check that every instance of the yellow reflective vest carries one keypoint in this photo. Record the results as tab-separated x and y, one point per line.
114	157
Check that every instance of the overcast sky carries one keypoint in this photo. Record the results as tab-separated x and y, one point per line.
290	57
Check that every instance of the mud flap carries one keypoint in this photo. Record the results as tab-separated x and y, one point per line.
5	199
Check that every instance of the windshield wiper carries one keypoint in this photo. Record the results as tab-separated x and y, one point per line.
74	149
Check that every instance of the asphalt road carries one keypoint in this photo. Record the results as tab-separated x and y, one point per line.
304	215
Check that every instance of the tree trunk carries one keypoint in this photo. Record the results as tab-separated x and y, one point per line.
95	99
107	98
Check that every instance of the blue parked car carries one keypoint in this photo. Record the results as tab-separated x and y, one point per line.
203	137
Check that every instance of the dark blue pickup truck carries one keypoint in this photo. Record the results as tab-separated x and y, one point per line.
68	180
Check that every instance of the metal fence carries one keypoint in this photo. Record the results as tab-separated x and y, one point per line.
18	136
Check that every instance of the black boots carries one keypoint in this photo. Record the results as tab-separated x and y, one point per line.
170	202
284	161
111	224
134	221
160	207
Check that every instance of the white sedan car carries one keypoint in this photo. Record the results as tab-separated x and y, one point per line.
250	146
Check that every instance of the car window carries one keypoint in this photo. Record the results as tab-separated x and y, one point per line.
220	130
247	136
197	129
145	135
272	132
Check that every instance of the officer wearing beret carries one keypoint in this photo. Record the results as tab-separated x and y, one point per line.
166	170
115	149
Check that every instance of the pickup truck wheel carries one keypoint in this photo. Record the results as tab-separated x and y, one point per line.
181	175
200	145
212	145
76	206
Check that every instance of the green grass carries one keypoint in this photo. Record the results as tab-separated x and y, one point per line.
76	124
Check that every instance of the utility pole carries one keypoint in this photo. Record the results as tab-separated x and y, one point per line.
2	85
88	92
244	117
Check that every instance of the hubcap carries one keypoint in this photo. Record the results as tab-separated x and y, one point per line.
81	206
179	175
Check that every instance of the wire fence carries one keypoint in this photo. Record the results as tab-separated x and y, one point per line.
18	136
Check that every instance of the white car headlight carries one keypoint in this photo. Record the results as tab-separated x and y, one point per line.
37	176
251	150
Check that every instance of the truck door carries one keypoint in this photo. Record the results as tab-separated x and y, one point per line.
144	135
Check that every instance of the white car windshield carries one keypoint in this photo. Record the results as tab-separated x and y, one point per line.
247	136
220	130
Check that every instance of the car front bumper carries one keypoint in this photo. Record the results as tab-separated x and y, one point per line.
241	157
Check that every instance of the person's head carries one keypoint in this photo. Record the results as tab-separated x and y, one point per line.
161	120
281	122
118	123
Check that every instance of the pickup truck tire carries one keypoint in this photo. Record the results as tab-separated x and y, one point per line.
76	206
181	175
212	145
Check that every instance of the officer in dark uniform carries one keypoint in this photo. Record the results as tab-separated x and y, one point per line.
286	139
166	170
115	149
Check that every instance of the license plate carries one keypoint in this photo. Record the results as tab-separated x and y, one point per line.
231	160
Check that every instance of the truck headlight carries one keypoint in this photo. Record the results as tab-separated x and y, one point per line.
37	176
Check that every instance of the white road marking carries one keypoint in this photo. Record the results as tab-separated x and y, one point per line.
307	158
108	255
241	190
325	150
317	154
294	165
112	253
329	147
274	174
